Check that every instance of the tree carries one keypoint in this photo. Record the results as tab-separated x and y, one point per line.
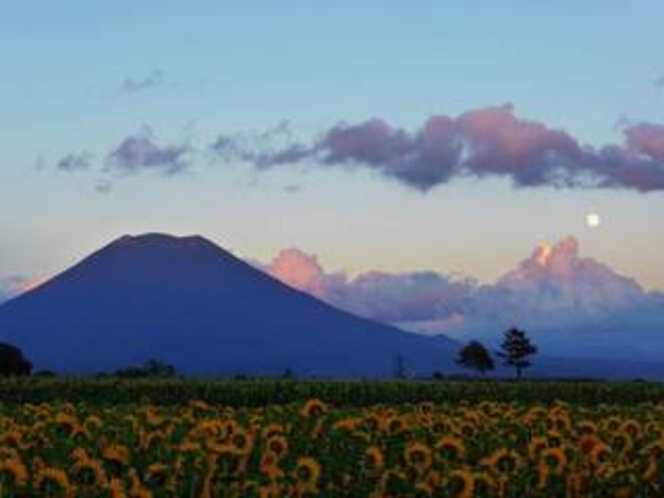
516	350
288	373
151	368
158	368
400	369
12	361
476	357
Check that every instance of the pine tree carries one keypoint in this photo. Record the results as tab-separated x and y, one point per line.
516	350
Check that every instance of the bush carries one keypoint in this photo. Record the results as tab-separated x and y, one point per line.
12	361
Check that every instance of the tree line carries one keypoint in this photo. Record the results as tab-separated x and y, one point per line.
515	350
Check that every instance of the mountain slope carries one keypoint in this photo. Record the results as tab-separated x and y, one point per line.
190	303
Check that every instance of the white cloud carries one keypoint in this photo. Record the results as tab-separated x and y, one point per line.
554	287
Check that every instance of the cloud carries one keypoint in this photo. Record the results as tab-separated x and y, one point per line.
393	298
659	82
136	85
486	142
554	287
140	152
12	286
75	161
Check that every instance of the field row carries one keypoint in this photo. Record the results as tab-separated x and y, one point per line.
311	449
247	393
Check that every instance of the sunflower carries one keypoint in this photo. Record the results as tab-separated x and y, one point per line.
313	408
632	427
147	440
153	418
588	443
198	404
460	484
93	423
586	427
16	471
502	461
554	438
483	484
116	453
157	474
425	408
188	447
242	441
375	457
8	453
375	422
48	479
612	423
395	425
555	458
271	430
651	471
424	488
79	454
116	488
439	427
278	445
655	449
89	473
561	422
576	484
270	491
347	424
269	466
391	482
467	430
11	438
600	453
418	455
622	442
536	446
69	424
307	472
451	448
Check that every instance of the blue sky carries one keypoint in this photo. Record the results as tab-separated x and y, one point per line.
227	67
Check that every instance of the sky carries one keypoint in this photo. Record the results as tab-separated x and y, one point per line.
270	125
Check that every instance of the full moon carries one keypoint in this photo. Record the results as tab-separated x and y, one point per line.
593	220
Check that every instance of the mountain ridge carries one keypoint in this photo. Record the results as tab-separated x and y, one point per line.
214	314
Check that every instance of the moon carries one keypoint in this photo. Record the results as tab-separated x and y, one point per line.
593	220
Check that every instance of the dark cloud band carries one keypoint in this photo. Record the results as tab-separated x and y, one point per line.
484	142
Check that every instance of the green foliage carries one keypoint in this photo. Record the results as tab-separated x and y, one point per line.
476	357
164	391
517	349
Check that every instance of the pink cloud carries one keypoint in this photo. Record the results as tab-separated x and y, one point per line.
490	141
554	285
300	270
380	296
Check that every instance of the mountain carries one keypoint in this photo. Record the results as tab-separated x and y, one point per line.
190	303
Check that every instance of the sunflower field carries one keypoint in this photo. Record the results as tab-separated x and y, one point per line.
462	449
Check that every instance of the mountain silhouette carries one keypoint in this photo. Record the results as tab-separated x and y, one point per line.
190	303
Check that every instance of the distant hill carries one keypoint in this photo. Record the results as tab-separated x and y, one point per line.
192	304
